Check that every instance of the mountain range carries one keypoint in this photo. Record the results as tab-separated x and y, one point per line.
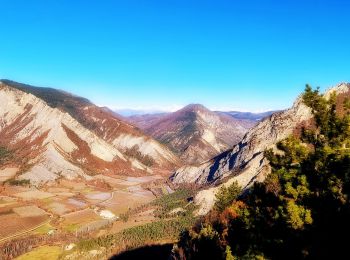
83	168
55	134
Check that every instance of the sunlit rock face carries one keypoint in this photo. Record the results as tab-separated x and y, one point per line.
55	134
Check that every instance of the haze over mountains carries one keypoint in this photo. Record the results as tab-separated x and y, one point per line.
249	115
137	112
253	116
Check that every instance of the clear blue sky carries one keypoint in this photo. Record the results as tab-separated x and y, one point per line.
246	55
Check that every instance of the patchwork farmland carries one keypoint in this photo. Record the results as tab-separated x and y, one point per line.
74	207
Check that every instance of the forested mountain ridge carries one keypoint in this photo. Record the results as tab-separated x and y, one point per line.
300	211
246	163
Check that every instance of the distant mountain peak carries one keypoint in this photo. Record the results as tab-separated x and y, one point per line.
195	108
194	132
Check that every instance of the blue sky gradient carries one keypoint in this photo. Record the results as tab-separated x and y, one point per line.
238	55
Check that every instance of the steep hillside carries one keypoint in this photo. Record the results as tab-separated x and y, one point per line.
245	163
194	132
52	133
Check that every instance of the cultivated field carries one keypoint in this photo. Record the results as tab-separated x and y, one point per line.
12	224
7	173
121	201
73	207
34	194
29	211
42	253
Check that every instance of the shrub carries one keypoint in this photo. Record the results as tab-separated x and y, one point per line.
15	182
226	195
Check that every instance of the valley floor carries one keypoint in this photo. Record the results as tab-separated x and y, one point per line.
70	211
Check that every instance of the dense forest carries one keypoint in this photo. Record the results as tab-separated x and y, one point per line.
301	210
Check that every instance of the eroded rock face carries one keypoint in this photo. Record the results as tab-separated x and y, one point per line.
50	142
245	163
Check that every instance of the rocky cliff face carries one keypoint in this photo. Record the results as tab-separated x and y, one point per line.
194	132
55	134
245	163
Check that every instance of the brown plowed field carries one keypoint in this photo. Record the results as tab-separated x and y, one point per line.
12	224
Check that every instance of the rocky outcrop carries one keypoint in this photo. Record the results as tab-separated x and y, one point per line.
54	134
245	163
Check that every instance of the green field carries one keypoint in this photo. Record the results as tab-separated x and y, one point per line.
42	253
